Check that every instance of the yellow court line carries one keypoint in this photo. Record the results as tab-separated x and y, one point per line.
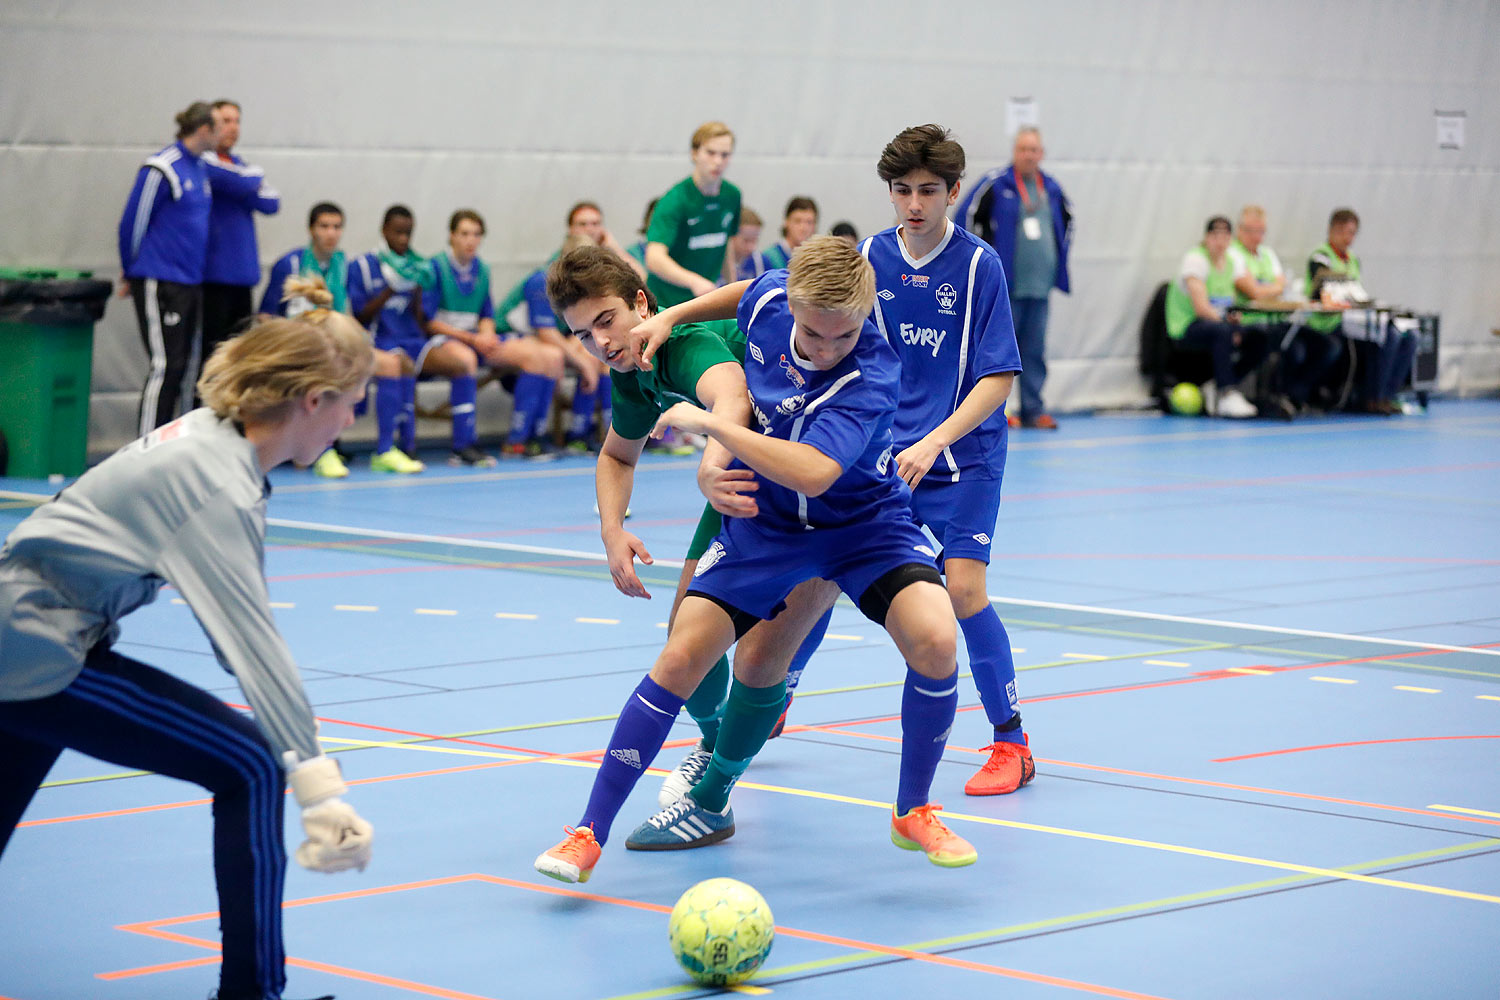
1408	687
1246	670
1017	649
1106	838
282	604
355	607
1488	697
1083	656
436	611
1334	680
597	621
514	616
1167	663
1470	812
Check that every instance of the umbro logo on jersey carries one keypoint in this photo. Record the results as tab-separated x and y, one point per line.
887	294
629	756
914	280
982	538
755	353
792	373
946	296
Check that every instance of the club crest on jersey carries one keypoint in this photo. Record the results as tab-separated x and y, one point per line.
755	353
914	280
946	296
791	404
792	373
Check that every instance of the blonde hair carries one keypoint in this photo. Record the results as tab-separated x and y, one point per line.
710	130
750	217
828	273
254	376
1253	212
303	293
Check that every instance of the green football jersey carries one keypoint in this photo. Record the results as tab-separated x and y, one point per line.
638	398
695	228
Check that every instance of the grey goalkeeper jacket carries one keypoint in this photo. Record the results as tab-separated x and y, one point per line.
185	505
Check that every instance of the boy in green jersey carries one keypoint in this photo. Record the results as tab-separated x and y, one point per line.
600	299
692	222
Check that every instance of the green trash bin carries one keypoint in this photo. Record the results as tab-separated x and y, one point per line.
46	358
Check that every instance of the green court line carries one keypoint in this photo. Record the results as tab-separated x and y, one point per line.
999	934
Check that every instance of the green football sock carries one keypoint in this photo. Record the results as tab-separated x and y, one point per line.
706	704
748	720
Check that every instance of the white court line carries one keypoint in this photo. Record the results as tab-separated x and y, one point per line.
355	607
1334	680
1408	687
1167	663
435	611
1152	616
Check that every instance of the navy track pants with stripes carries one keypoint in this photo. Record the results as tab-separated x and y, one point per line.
136	716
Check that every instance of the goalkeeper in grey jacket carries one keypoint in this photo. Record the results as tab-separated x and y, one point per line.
186	506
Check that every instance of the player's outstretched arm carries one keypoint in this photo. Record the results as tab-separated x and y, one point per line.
614	480
791	464
987	396
721	303
722	390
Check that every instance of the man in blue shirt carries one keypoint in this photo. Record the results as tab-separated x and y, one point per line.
231	268
830	507
943	307
798	224
1025	216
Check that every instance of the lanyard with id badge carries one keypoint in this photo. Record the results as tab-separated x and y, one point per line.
1031	226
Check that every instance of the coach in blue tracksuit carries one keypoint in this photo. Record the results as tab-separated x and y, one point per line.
163	242
1025	216
231	269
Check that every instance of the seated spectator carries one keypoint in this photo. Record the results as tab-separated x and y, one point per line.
1307	359
845	231
798	223
1383	355
314	277
1198	319
586	220
743	244
459	309
385	293
591	394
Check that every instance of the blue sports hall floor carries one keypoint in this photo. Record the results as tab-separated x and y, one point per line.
1259	665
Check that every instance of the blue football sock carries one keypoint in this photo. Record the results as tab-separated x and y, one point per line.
993	668
927	709
533	399
806	650
463	390
582	424
406	423
639	733
387	413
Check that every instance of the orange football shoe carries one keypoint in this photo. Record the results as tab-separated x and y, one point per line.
1010	766
921	830
573	859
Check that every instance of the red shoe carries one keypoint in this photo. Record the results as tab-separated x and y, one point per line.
1013	420
1010	766
921	830
573	859
781	722
1045	422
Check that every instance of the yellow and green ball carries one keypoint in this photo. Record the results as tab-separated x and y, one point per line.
721	931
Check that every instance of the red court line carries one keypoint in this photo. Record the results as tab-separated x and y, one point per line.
1355	743
153	929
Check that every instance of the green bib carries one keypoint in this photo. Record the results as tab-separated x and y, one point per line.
456	307
1219	284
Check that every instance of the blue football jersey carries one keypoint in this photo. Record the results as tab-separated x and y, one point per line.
948	317
844	412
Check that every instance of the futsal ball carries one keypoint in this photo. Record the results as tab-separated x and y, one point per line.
1186	399
721	931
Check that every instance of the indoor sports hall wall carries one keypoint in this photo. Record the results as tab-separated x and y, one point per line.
1155	115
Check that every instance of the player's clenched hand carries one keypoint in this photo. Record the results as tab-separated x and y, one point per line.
912	464
622	548
684	417
647	338
337	838
728	490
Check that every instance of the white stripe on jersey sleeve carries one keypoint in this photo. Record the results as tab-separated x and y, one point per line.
864	248
760	304
143	211
164	162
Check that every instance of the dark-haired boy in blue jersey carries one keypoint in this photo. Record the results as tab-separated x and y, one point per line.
823	386
942	304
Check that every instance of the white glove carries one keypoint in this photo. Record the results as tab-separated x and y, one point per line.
337	838
398	284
